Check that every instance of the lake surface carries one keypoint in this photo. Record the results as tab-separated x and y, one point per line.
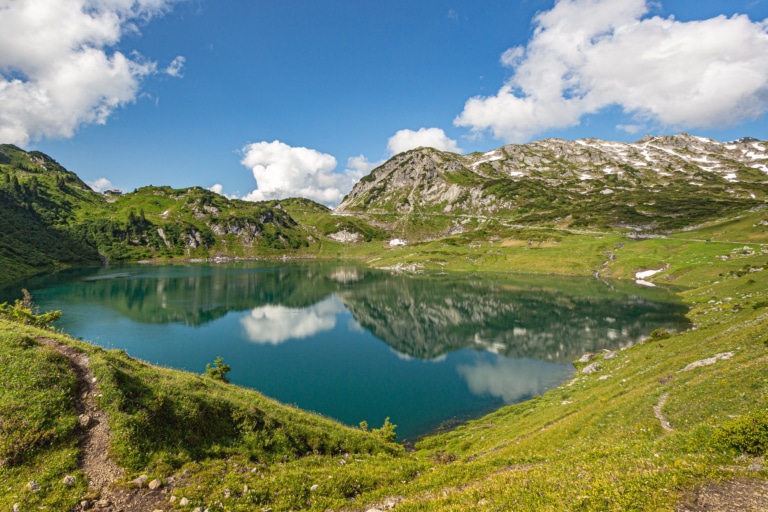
354	343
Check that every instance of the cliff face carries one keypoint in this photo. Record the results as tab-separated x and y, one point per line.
654	183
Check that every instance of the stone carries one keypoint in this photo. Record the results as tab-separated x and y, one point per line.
585	358
246	490
592	368
755	467
314	487
84	420
171	499
227	493
140	480
198	509
183	502
16	507
706	362
33	486
69	480
103	503
155	484
609	355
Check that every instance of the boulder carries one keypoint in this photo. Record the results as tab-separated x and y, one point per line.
592	368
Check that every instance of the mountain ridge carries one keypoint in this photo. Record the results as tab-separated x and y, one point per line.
586	182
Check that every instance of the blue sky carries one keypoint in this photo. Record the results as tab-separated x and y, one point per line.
265	99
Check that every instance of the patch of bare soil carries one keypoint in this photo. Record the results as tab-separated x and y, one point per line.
742	495
95	461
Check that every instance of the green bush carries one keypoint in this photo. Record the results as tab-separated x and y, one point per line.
386	432
745	434
660	334
219	370
21	312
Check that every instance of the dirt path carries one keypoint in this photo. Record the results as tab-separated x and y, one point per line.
741	495
660	415
94	460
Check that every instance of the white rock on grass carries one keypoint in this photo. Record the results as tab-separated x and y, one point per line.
592	368
708	361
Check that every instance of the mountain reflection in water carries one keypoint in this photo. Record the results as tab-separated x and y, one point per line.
457	345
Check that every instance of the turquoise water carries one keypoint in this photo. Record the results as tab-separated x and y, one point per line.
358	344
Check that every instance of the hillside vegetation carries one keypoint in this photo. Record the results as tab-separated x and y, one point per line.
653	427
600	442
49	218
546	193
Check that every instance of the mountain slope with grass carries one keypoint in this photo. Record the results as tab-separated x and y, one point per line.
654	185
49	218
677	422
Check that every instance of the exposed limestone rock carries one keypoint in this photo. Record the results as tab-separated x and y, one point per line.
592	368
427	180
345	236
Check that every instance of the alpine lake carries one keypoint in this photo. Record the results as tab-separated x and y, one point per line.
358	344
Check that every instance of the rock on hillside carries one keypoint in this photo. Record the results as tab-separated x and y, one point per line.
649	184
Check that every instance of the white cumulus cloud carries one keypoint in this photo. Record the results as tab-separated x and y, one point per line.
101	184
56	70
405	140
586	55
284	171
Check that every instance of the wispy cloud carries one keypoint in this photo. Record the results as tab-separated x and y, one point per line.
176	67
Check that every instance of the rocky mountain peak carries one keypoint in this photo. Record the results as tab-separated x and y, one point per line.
514	178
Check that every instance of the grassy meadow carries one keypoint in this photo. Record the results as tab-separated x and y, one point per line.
595	443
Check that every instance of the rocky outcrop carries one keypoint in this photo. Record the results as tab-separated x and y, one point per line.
635	184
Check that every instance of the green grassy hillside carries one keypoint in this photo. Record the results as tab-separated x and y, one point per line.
49	218
596	443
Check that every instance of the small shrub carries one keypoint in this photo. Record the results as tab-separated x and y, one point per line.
219	370
386	432
745	434
22	312
660	334
443	457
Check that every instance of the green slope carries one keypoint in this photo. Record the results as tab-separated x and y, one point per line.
49	218
593	444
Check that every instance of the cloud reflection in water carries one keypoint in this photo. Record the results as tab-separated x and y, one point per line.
276	324
511	379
